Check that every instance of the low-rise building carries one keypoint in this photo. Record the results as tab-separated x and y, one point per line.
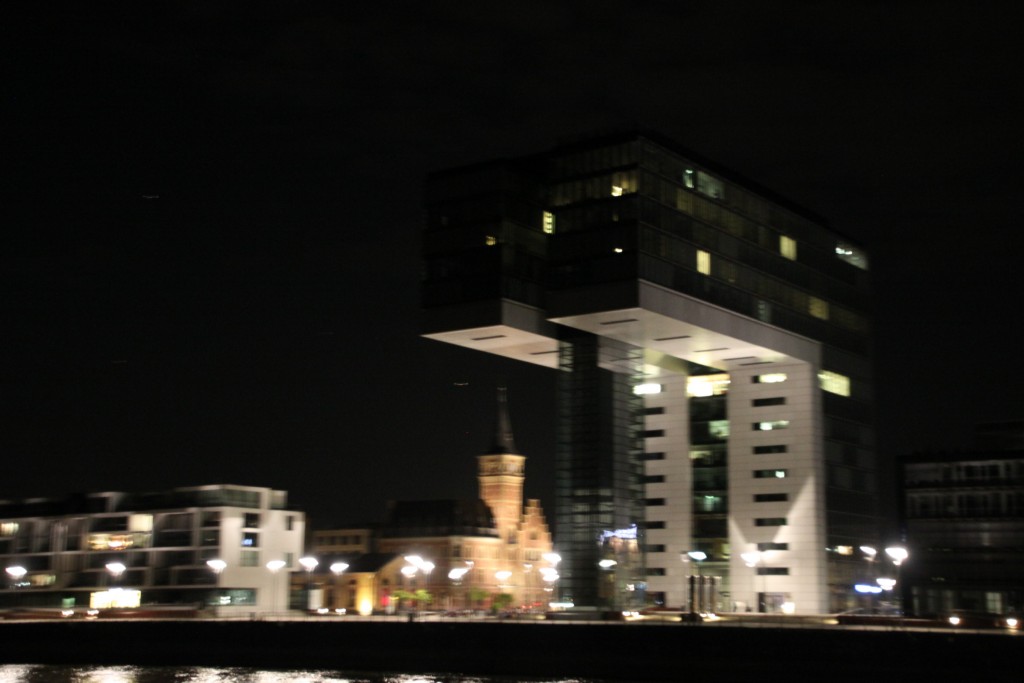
203	546
963	515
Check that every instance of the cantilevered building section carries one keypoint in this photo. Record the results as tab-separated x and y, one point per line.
711	344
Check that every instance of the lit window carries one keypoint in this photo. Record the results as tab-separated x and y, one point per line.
698	386
644	389
616	191
770	378
617	250
787	247
769	426
8	528
490	240
817	307
549	223
852	255
770	474
688	178
834	383
703	262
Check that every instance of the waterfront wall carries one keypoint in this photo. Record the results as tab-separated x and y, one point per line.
612	651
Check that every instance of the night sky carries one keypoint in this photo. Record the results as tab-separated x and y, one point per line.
209	261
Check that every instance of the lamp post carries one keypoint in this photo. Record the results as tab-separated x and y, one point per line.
116	569
898	554
697	590
17	573
309	563
217	566
870	554
274	566
552	559
753	560
337	568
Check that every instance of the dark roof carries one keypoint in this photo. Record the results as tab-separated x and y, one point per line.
419	518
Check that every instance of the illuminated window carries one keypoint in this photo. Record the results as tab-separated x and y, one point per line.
250	539
490	240
707	385
718	429
770	474
549	223
769	426
787	247
817	307
688	178
770	378
8	528
852	255
644	389
834	383
616	191
703	262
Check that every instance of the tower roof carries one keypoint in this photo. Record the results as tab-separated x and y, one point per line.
503	441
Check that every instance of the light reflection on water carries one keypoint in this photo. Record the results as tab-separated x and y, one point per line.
39	673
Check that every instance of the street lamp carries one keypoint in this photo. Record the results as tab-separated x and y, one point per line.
753	559
309	563
116	569
274	566
17	573
898	554
697	588
337	568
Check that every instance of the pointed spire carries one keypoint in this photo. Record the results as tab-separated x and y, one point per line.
503	441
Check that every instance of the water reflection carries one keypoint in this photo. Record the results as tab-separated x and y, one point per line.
38	673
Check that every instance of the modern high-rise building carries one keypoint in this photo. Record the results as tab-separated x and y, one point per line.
711	344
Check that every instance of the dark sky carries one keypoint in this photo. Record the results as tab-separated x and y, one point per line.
208	269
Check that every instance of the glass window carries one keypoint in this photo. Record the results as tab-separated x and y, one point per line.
710	185
770	474
834	383
775	448
787	247
771	545
770	378
773	401
703	262
817	307
250	558
770	425
252	520
770	521
548	223
770	497
250	539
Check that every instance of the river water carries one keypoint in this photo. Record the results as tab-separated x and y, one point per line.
39	673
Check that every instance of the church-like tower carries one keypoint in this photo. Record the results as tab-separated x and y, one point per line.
501	472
